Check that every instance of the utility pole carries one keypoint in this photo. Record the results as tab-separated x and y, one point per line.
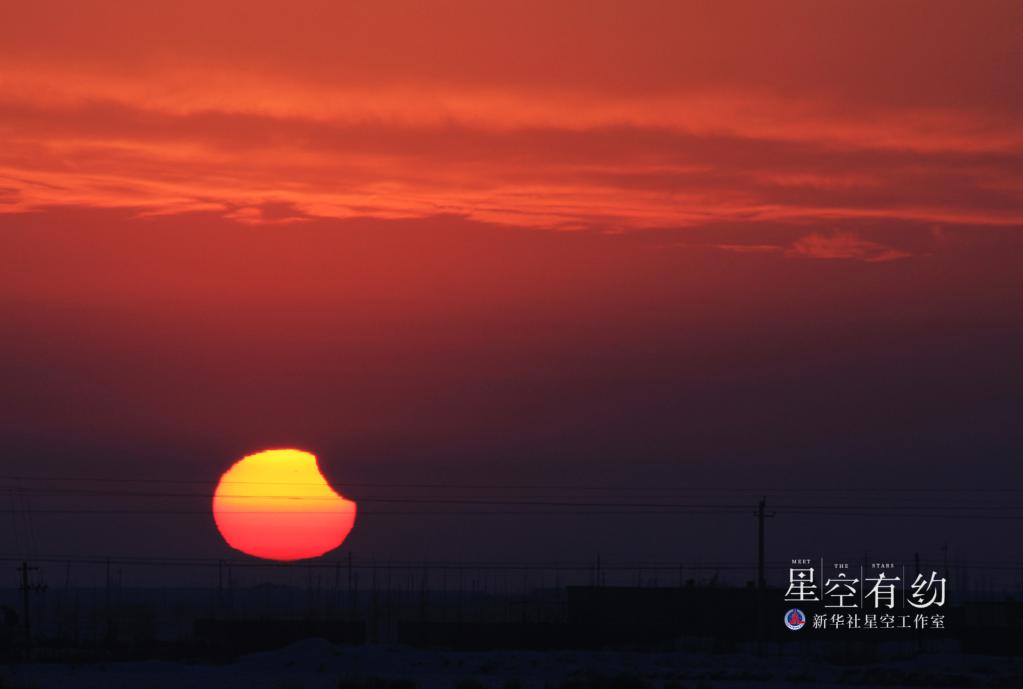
26	588
109	612
336	605
761	514
919	636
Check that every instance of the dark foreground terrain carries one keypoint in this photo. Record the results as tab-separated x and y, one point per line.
318	664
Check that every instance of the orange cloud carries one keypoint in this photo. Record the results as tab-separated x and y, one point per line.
843	245
611	119
831	245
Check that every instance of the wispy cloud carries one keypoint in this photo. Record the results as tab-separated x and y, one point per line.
751	248
833	245
844	245
377	127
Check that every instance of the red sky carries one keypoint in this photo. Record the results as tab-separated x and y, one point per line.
548	115
663	240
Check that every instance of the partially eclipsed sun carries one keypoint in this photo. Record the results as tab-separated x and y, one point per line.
277	505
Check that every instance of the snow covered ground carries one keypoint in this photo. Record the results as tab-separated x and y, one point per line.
317	664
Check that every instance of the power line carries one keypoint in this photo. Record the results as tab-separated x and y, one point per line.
737	511
657	565
463	500
570	487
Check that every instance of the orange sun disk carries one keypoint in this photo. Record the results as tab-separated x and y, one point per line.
277	505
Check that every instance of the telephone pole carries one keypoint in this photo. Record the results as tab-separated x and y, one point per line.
761	578
761	514
27	588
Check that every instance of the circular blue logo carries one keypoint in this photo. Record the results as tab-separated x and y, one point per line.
795	619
